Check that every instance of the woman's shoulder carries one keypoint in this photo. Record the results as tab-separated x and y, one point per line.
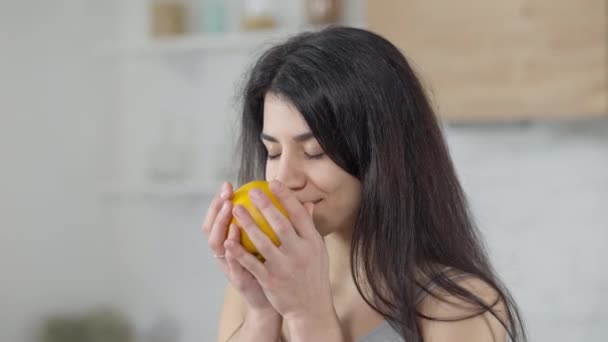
437	299
447	317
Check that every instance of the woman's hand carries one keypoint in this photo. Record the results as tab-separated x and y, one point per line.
295	276
215	227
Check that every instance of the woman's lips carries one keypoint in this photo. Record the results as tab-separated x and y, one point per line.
310	201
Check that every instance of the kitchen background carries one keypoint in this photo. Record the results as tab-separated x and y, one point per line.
118	123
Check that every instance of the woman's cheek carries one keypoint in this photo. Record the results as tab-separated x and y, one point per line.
270	171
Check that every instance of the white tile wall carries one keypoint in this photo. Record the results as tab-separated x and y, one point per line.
540	194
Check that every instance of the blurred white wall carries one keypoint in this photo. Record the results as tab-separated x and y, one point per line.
57	251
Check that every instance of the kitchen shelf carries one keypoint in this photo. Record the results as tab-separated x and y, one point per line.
200	43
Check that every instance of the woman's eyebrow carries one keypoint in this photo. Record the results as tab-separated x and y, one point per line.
298	138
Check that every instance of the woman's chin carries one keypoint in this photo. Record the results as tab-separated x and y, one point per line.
322	227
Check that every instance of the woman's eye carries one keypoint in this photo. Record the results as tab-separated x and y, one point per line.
308	156
314	156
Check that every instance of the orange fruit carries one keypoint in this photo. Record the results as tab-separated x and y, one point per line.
241	197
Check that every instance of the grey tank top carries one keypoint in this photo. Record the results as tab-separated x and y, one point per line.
386	333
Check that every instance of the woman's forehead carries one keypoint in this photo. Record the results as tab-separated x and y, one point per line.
281	118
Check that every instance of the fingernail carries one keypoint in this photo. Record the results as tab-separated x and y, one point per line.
240	211
224	193
255	194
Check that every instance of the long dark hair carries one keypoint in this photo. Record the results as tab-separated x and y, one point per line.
370	114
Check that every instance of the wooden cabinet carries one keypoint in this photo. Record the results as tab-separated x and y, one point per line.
499	60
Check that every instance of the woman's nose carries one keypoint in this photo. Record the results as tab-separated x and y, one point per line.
290	174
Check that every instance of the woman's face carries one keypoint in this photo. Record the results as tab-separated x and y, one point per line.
296	159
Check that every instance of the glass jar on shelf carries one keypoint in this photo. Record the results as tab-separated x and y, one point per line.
168	18
214	16
323	12
258	15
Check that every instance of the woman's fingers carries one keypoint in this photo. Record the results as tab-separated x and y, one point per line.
215	226
262	242
238	275
279	223
234	233
243	263
224	193
218	232
212	211
298	214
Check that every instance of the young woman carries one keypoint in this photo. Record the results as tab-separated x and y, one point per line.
380	244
